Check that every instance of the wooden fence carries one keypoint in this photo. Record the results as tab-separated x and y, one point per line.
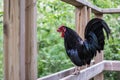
20	44
83	13
85	74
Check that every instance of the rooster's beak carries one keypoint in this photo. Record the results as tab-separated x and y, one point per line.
58	30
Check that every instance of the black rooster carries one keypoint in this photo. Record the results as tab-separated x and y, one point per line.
82	52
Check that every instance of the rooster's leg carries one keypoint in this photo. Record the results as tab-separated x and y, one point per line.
88	65
77	70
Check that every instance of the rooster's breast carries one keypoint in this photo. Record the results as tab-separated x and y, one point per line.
73	55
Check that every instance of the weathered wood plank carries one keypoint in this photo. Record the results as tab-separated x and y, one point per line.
31	42
61	74
14	37
91	71
74	2
95	9
77	19
79	3
58	75
81	20
111	11
87	73
89	18
112	65
100	56
22	39
89	14
5	40
99	16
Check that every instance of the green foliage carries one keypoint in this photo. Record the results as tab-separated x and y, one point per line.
61	13
106	3
112	47
112	75
53	13
51	54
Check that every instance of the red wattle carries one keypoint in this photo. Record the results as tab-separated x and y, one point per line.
62	35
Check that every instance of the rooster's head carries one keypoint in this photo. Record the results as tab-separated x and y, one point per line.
62	30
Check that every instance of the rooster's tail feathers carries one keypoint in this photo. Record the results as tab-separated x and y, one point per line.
96	26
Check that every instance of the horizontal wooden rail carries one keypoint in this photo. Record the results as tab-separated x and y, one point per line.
112	65
87	73
90	72
79	3
61	74
110	11
95	9
58	75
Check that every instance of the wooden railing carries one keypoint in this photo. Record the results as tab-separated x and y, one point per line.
20	44
85	74
82	16
95	9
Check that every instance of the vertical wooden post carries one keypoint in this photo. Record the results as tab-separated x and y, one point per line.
19	40
99	15
77	19
88	14
82	16
81	20
100	56
31	42
14	39
88	19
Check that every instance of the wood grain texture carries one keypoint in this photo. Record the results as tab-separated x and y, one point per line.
99	16
82	16
80	3
100	56
58	75
94	9
13	40
22	40
112	65
77	19
111	11
61	74
88	14
6	41
31	41
81	20
87	73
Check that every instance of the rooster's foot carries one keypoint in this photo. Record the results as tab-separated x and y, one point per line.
77	71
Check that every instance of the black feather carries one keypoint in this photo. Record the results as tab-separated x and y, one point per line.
81	52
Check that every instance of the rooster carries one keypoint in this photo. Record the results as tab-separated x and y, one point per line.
81	52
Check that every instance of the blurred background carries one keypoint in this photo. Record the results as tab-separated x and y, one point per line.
51	53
